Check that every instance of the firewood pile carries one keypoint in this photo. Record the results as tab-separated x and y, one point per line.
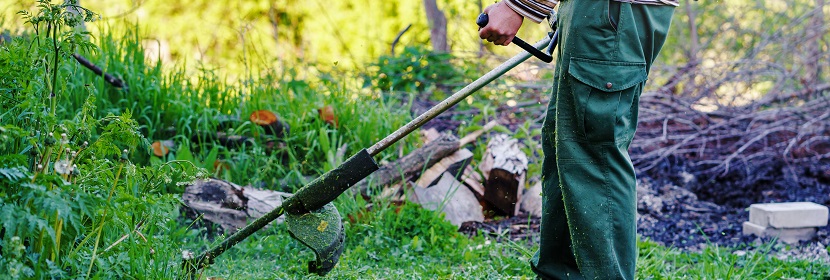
443	175
738	153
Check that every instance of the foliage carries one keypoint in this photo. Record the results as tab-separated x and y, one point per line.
74	204
416	69
69	194
252	36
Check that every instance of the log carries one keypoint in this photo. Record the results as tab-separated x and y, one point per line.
450	196
412	164
228	205
454	164
532	200
504	167
327	115
216	201
270	123
473	179
162	148
224	139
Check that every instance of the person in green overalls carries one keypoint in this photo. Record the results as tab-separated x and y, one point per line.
605	51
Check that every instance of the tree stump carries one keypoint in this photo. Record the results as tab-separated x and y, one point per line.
504	167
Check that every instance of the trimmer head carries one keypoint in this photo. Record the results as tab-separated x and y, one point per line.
322	231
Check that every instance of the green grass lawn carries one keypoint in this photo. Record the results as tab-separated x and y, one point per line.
82	196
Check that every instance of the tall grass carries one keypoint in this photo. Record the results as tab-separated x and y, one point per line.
81	196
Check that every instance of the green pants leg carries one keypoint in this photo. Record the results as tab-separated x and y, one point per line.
589	222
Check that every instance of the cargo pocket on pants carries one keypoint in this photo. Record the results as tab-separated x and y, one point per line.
605	92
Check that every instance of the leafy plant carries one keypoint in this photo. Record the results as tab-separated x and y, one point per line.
416	69
69	194
57	39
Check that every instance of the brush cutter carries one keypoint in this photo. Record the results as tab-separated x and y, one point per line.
310	216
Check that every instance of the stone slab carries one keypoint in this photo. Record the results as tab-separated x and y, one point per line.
790	235
788	215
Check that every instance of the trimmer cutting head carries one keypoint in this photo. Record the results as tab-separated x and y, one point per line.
314	221
322	231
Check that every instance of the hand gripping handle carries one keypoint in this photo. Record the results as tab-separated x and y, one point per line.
482	21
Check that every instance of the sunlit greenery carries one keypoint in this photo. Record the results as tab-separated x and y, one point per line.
82	196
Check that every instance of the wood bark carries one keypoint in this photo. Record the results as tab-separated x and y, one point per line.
812	53
411	164
437	147
228	205
454	164
271	123
532	200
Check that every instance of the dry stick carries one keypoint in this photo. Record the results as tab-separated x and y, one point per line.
743	147
95	69
398	37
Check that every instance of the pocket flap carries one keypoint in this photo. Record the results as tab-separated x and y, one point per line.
608	76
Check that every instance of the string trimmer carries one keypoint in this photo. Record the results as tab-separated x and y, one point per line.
310	216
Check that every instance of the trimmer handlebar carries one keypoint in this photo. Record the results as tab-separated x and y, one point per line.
484	19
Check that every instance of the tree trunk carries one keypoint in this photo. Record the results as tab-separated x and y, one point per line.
694	47
812	54
437	27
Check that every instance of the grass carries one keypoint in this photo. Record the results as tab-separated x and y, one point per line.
113	213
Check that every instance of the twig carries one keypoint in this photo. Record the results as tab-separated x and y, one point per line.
116	82
398	37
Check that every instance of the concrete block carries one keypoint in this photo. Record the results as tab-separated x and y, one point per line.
789	235
788	215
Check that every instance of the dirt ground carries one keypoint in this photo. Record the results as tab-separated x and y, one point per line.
680	209
674	216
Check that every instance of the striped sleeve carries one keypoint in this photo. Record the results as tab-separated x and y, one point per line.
535	10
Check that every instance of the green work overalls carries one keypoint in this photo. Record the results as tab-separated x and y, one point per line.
589	222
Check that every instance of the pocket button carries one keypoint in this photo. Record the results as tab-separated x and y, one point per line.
608	85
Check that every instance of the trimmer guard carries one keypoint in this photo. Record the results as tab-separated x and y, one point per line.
323	232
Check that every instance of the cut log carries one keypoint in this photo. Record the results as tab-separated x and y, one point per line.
270	123
532	200
504	167
261	201
473	179
327	115
450	196
412	164
218	202
228	205
454	164
430	134
162	148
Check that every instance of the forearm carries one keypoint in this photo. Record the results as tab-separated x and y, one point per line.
534	10
538	10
